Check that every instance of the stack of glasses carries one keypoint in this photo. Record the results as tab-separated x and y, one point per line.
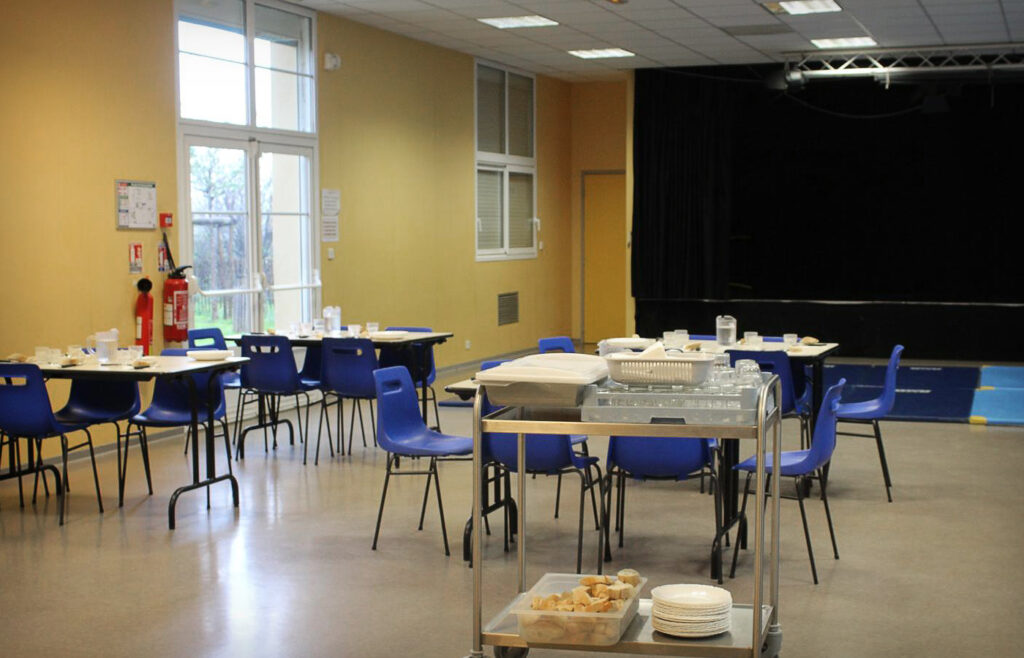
691	610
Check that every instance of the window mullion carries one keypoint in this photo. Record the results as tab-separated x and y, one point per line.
250	64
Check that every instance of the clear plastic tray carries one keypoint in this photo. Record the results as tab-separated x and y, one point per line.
576	628
696	405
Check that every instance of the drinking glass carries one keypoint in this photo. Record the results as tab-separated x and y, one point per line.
372	327
134	353
318	325
74	350
789	339
354	330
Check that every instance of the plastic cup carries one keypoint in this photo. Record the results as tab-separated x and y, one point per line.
373	327
319	325
293	329
789	339
354	330
135	352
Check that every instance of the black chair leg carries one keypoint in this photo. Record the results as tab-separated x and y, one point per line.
426	495
742	528
373	424
558	494
440	506
383	496
144	448
881	458
807	532
61	488
828	516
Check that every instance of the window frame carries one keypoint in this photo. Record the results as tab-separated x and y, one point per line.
189	131
505	164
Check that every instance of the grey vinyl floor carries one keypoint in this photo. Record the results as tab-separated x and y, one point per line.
938	572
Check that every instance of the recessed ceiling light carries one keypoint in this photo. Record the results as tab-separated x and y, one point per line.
509	22
797	7
846	42
599	53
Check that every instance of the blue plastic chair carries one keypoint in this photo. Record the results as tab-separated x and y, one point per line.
546	454
213	339
402	433
25	413
777	362
872	411
272	374
653	458
347	372
171	406
412	358
556	344
802	465
95	402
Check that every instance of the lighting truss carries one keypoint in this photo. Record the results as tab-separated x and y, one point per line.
883	64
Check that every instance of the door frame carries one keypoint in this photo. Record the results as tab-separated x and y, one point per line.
583	240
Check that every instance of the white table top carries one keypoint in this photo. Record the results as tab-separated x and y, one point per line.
161	366
800	350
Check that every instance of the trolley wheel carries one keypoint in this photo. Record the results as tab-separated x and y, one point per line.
511	652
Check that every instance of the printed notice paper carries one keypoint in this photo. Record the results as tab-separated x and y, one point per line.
330	202
329	228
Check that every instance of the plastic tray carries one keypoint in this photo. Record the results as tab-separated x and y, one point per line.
573	628
543	380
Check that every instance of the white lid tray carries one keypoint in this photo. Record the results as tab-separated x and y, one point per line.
552	368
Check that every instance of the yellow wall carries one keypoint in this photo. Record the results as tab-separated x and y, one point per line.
87	97
598	144
396	137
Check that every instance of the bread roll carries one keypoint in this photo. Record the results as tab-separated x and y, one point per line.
629	576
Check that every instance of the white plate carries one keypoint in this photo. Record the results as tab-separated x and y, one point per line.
684	632
691	597
391	334
209	355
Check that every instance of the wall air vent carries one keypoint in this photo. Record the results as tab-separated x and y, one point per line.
508	308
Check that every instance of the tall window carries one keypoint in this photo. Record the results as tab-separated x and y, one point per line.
247	124
506	199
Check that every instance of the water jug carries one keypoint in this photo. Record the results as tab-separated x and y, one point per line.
725	330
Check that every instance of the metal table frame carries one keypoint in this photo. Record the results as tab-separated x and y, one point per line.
766	637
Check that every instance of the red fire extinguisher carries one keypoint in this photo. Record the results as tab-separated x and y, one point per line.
175	301
144	315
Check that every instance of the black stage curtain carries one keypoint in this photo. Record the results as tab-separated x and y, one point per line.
682	195
842	190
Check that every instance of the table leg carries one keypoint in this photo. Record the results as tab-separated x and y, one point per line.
211	466
478	567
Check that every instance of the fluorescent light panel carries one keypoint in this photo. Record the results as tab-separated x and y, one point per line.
797	7
600	53
846	42
509	22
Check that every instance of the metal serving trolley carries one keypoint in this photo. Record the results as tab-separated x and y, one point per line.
748	636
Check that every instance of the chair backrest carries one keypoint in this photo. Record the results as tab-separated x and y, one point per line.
703	337
208	338
174	394
653	457
24	402
411	358
398	412
545	453
347	367
556	344
823	441
271	365
312	364
774	361
116	400
888	397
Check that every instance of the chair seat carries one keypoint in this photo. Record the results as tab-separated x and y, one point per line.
867	410
793	463
310	384
82	416
576	439
428	443
231	380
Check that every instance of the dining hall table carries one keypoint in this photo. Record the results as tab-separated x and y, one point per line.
171	367
405	340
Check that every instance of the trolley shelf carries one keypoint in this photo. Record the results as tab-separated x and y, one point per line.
640	636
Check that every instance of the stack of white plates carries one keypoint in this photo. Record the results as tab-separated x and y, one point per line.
691	610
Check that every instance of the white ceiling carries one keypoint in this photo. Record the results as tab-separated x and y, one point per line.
676	32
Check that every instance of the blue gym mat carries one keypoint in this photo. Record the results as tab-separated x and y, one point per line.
989	395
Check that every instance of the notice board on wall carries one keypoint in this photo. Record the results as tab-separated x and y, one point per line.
136	204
